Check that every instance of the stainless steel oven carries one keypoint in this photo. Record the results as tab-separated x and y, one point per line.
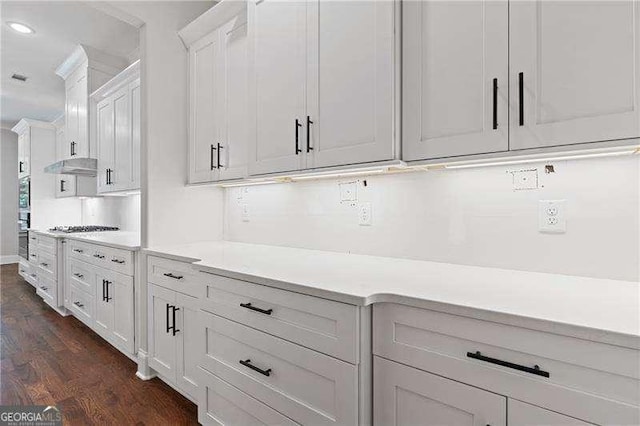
24	216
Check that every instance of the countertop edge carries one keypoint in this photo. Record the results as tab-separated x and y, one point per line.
79	237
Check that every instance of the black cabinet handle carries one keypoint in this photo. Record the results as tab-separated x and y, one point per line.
167	312
175	277
298	125
73	148
120	262
78	304
78	251
174	310
20	164
495	103
62	181
218	155
253	308
99	256
521	98
33	255
78	275
247	363
44	288
213	148
309	123
44	264
104	292
532	370
172	328
106	285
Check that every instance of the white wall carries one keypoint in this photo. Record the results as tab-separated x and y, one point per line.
123	212
8	194
470	216
172	213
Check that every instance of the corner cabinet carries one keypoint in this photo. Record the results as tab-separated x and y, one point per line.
322	84
117	128
496	76
218	107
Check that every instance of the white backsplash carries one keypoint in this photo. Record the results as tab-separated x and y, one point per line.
123	212
470	216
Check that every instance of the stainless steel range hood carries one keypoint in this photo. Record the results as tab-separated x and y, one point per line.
74	166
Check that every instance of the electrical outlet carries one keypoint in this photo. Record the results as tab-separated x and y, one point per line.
245	212
348	191
551	217
364	214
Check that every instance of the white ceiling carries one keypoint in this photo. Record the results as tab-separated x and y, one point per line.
59	27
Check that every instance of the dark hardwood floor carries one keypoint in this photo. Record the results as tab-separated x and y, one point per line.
46	359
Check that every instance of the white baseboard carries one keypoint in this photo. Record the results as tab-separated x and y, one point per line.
5	260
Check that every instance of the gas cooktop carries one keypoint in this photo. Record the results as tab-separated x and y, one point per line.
84	228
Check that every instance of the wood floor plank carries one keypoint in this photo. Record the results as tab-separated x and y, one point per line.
49	359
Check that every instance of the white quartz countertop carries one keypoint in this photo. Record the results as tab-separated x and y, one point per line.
118	239
595	309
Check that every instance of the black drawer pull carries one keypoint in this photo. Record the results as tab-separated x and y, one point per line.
44	288
99	256
175	277
495	103
44	264
521	99
117	261
253	308
78	251
247	363
78	304
533	370
78	275
33	255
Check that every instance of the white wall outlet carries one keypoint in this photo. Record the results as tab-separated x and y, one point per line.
551	216
364	214
245	212
348	191
525	179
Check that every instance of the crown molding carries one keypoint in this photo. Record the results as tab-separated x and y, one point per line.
27	123
93	58
126	76
211	19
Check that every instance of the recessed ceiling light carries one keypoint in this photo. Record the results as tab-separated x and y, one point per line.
21	28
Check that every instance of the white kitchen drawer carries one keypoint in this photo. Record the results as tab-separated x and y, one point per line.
304	385
111	258
171	274
81	305
32	277
48	264
450	345
24	268
48	290
33	241
82	275
326	326
47	244
33	256
223	404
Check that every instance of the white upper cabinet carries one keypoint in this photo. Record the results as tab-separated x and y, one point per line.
205	112
24	152
84	71
455	78
277	84
117	131
350	82
322	84
575	72
218	87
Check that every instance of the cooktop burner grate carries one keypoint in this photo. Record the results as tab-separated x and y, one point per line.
84	228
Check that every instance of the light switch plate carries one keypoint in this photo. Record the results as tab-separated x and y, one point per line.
364	214
552	216
348	191
525	179
245	212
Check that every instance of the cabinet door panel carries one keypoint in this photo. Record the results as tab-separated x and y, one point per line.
134	163
580	65
233	164
122	155
104	313
350	90
121	292
65	186
105	142
452	52
522	414
406	396
81	96
189	344
205	112
277	84
162	343
71	120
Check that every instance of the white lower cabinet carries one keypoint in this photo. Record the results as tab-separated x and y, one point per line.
114	309
405	396
174	347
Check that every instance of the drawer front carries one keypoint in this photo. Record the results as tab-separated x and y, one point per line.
112	258
32	277
47	244
171	274
304	385
48	264
33	241
79	250
81	304
223	404
81	275
326	326
48	290
33	256
475	351
24	269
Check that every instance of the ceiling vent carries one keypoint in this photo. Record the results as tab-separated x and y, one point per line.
19	77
